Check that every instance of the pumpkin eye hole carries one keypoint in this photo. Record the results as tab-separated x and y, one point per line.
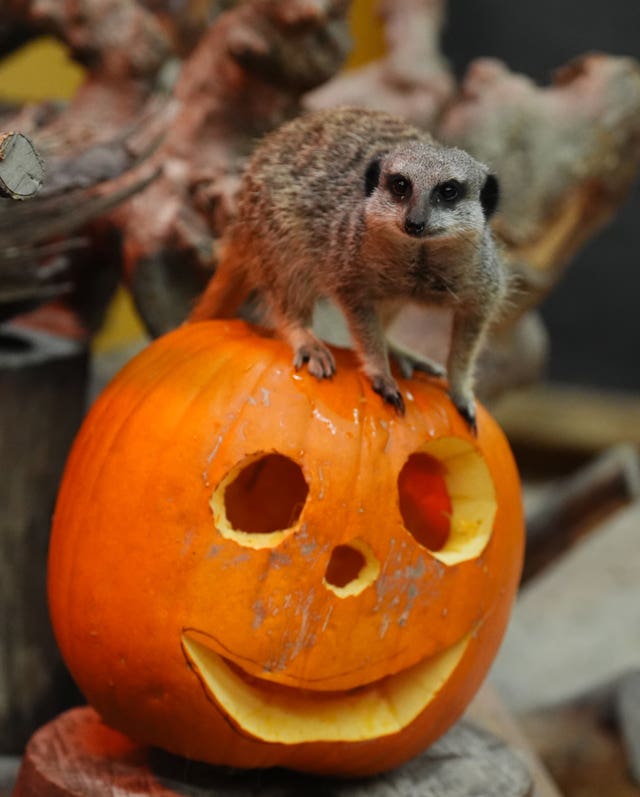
351	568
425	505
260	500
447	499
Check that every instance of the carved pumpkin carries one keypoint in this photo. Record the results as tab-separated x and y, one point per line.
253	568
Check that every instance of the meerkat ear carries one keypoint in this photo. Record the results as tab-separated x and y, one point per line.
490	195
372	176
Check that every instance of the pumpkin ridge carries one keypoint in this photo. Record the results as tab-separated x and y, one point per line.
234	415
82	453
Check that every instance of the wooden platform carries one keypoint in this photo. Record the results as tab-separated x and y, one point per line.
76	755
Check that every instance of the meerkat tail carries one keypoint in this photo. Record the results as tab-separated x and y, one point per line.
224	294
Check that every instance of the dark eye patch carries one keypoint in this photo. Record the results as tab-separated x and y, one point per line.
490	195
372	177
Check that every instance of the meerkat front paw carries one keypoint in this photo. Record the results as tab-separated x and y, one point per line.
318	359
386	387
467	409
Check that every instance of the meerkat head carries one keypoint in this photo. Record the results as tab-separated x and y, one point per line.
423	190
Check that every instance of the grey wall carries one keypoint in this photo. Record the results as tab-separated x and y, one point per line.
594	315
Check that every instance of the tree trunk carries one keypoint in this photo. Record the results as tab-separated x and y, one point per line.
42	398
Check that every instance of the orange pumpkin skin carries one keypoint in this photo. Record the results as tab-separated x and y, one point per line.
140	561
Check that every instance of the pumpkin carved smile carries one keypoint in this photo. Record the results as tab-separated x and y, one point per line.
294	716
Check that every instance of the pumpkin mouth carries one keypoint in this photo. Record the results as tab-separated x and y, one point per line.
282	714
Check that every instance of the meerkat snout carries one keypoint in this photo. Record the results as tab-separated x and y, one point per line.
414	228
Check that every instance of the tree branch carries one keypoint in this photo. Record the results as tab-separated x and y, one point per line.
21	168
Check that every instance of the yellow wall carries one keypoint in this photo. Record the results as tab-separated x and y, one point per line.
39	71
366	30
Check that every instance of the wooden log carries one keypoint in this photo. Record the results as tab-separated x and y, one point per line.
611	478
565	418
9	768
566	156
572	506
121	38
411	80
490	711
21	168
592	742
627	709
42	396
76	754
265	56
581	747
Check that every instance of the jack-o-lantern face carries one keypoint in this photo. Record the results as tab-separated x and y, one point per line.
252	568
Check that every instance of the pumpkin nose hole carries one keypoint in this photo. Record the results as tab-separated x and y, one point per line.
351	568
425	505
260	500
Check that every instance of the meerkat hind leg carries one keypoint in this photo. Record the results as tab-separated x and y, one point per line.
410	361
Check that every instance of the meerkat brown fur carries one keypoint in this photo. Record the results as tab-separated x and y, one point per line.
362	208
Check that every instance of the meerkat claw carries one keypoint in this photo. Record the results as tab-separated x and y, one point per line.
318	358
468	413
386	387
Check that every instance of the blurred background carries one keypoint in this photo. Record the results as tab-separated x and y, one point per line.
603	282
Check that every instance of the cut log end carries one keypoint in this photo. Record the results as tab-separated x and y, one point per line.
21	168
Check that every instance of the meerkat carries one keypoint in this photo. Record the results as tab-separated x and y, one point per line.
362	208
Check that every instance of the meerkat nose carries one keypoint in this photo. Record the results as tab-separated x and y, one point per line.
415	228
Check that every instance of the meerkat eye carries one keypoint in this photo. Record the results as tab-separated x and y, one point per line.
400	186
449	191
